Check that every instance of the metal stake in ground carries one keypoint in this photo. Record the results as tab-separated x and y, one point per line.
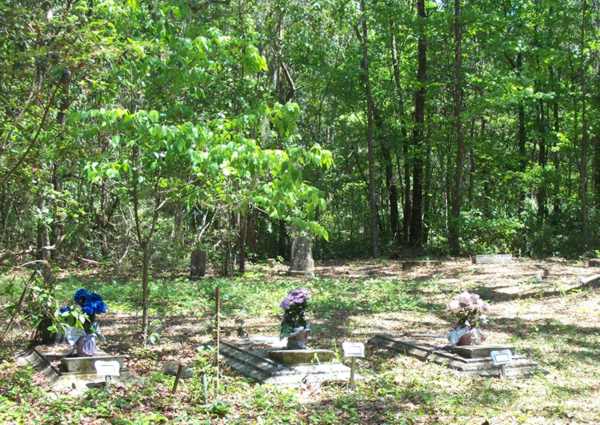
217	336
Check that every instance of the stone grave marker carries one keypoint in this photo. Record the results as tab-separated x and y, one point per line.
493	259
302	262
170	368
198	261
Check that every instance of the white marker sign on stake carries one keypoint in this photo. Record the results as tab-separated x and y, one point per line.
353	349
107	368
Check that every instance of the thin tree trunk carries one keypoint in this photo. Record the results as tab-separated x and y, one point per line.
391	182
583	165
402	234
428	204
374	226
145	289
243	228
454	224
542	160
416	222
557	167
596	169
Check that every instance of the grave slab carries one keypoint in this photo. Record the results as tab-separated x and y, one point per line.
427	349
252	359
590	280
76	377
493	259
293	357
476	351
86	365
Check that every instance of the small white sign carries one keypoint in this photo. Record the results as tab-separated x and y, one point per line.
107	367
501	357
353	349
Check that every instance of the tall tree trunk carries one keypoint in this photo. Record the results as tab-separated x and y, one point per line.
584	156
243	236
522	135
402	234
596	169
454	223
416	222
542	160
391	182
557	167
428	204
596	138
374	227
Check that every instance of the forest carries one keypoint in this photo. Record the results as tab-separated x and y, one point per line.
147	142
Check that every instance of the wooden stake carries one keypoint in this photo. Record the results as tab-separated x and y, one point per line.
177	377
217	336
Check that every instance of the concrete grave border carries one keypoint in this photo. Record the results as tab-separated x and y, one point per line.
481	366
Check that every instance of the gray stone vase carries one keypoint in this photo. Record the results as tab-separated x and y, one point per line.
297	340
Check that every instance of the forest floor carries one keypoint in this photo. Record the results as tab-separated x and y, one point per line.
539	307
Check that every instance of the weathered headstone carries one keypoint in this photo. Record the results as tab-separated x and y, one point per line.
302	260
198	261
594	262
493	259
171	367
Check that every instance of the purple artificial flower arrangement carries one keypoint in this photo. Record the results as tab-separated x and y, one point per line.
294	305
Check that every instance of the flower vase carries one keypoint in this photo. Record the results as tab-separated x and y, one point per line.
465	335
72	335
86	345
298	338
472	337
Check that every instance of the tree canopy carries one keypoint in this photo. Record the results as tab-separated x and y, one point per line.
439	127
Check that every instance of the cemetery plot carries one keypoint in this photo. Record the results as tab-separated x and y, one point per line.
263	361
66	372
469	360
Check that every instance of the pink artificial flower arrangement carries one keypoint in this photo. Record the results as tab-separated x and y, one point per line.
468	310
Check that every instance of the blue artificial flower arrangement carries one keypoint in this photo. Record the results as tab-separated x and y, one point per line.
82	315
90	302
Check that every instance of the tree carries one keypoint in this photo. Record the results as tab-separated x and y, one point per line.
454	221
